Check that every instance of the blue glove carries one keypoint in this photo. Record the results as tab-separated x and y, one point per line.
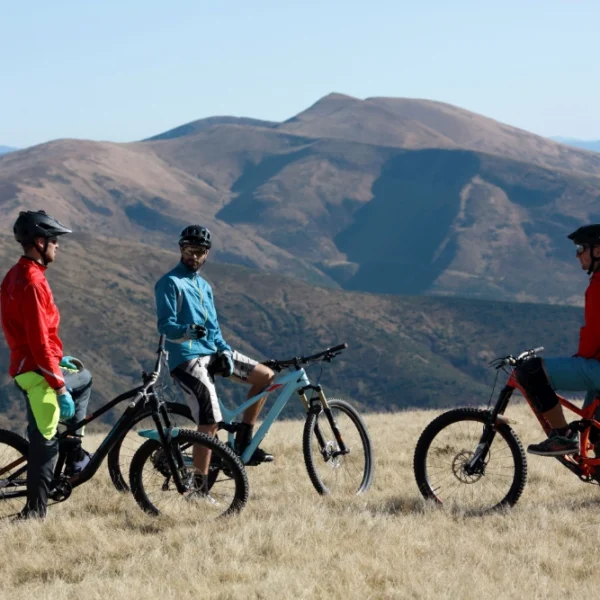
224	363
66	362
195	332
67	406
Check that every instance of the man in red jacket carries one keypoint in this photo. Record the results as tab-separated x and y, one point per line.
581	372
30	322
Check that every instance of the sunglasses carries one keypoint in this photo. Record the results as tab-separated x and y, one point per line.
580	249
187	251
53	240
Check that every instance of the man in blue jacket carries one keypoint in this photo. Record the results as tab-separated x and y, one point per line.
187	316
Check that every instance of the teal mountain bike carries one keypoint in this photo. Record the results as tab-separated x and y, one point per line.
337	448
336	445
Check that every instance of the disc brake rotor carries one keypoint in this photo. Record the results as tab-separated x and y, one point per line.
461	460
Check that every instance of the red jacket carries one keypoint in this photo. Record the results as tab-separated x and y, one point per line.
30	322
589	335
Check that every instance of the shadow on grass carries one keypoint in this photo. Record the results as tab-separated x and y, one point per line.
414	505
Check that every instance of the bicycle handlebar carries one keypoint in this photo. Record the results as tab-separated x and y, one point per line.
513	361
327	355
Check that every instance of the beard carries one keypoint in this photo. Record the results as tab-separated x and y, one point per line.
193	264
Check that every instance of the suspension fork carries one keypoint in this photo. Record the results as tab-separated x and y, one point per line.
174	458
318	403
489	431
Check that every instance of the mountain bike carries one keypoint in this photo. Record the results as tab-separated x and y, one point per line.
337	448
472	459
172	453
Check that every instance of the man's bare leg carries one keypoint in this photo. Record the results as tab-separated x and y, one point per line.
260	378
202	454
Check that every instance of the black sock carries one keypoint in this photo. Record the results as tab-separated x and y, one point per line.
243	437
564	431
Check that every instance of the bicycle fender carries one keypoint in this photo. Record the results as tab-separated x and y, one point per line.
152	434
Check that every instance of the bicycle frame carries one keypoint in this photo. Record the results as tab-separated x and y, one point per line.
581	464
292	381
140	396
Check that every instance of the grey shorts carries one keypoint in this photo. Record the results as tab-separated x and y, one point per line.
199	387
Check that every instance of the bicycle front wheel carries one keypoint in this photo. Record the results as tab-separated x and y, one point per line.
121	454
331	470
152	484
13	473
448	470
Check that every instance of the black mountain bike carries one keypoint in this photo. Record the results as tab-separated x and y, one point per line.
171	453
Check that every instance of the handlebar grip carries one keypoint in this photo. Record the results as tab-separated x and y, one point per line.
161	341
338	348
538	349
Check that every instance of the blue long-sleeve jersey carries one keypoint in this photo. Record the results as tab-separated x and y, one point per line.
183	298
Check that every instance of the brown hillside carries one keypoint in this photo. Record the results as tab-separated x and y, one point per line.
403	351
292	199
415	123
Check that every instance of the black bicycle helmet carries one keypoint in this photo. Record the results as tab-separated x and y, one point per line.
195	235
31	224
588	235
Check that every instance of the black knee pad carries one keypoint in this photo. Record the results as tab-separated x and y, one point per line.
532	377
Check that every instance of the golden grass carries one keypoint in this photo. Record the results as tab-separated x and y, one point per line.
291	543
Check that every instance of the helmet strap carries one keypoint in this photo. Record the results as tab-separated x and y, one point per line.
44	252
593	261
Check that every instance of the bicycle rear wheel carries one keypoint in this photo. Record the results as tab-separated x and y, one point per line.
121	455
330	471
447	473
13	473
153	487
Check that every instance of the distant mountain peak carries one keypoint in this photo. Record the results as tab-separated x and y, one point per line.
203	124
325	106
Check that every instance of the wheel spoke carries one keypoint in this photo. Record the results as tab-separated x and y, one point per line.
345	473
220	494
443	463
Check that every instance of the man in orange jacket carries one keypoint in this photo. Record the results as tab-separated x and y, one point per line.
581	372
49	380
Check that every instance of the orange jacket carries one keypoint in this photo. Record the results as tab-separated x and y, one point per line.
589	335
30	322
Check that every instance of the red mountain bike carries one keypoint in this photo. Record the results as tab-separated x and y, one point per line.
472	459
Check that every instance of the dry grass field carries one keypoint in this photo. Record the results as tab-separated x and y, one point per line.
291	543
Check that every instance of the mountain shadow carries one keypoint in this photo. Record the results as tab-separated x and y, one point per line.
246	207
400	238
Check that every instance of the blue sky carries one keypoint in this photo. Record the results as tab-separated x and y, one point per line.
124	70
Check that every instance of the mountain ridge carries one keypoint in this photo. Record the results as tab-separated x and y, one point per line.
333	210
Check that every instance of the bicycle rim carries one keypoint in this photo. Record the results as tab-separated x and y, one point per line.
330	471
155	490
444	464
119	459
13	474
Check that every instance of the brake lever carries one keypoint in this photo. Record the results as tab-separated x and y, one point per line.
330	356
273	364
498	363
